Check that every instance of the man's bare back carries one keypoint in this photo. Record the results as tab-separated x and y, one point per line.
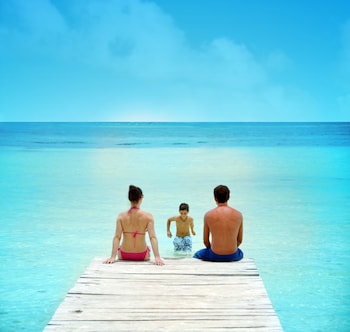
222	231
225	226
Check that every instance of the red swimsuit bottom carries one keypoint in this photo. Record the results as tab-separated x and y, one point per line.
134	256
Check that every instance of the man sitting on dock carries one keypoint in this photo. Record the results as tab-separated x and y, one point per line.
225	225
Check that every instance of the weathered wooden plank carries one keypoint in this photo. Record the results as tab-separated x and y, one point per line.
112	288
185	294
163	326
167	325
110	315
186	303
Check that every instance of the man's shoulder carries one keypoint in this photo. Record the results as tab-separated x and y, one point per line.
210	213
217	210
236	211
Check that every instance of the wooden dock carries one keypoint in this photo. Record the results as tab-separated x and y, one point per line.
186	294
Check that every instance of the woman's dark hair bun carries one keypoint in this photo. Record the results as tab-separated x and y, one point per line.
135	193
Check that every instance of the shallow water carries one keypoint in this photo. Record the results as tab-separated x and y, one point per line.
60	203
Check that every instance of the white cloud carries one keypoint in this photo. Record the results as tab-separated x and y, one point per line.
146	53
133	36
278	61
29	26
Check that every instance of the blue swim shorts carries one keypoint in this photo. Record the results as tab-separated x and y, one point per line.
182	243
207	254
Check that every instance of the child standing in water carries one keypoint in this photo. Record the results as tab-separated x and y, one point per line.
184	224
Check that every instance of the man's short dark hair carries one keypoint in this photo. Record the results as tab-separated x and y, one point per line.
221	193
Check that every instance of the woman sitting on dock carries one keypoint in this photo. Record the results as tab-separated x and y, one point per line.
132	225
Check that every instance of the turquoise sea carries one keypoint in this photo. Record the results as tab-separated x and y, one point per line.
63	184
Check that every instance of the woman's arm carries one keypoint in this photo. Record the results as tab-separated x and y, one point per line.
154	242
116	242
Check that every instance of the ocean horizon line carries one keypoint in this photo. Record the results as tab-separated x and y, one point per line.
176	122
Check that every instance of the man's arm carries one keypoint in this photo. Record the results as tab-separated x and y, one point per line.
240	234
206	233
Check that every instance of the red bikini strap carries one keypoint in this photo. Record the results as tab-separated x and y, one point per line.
134	207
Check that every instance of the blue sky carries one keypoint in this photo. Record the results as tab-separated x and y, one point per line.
174	60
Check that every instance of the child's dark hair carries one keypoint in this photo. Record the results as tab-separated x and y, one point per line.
222	193
184	206
135	193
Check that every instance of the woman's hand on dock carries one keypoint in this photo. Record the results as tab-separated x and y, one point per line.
109	261
158	261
